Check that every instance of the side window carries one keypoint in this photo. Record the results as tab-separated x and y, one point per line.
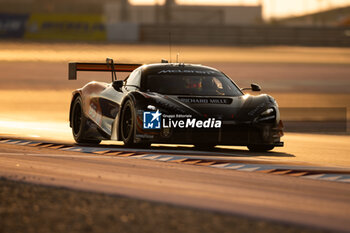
134	78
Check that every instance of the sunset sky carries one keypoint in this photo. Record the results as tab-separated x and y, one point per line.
271	8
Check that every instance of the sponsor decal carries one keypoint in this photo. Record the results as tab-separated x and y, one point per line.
256	109
93	113
152	120
192	123
66	27
181	71
157	120
205	100
12	25
146	136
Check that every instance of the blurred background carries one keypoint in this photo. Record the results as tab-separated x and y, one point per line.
222	22
298	51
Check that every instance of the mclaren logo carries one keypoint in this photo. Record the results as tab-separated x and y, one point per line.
182	71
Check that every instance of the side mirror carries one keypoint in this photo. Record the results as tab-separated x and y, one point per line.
118	84
255	87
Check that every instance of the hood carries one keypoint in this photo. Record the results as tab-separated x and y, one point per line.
219	107
244	107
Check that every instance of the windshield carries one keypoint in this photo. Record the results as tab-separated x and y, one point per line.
213	84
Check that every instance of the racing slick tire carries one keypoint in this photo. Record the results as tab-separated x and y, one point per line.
79	124
260	148
127	125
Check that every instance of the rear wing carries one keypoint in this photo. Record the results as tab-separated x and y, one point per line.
74	67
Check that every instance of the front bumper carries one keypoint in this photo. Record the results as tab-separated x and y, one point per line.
241	134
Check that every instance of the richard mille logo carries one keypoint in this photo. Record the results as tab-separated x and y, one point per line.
205	100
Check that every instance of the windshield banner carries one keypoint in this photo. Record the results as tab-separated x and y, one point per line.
12	25
66	27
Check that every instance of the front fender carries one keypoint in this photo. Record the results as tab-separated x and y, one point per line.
255	105
139	101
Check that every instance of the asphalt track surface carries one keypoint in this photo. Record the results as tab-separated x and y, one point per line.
320	204
300	148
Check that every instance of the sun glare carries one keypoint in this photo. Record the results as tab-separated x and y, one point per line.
271	8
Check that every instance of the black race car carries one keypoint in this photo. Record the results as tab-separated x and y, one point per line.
172	103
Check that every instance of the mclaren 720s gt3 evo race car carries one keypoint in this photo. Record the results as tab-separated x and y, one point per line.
172	103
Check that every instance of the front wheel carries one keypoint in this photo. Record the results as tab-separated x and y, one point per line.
79	126
260	148
127	123
127	126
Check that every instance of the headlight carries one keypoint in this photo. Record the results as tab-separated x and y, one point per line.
267	115
151	107
267	112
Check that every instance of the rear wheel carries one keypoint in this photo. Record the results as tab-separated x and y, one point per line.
79	124
260	148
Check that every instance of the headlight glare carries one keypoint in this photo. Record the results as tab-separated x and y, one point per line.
151	107
267	112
